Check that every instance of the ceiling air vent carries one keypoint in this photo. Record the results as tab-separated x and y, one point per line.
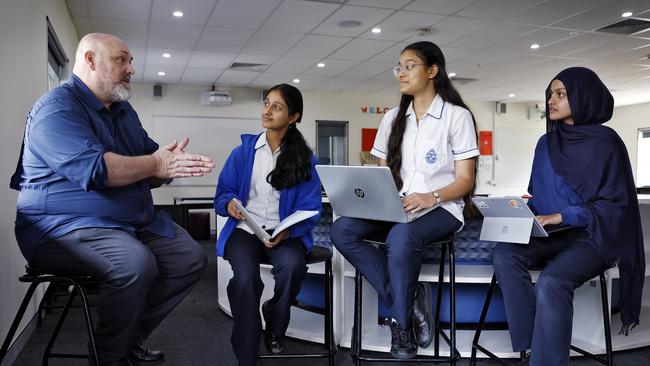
627	27
461	81
245	66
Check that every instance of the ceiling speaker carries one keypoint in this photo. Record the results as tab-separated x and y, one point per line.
157	91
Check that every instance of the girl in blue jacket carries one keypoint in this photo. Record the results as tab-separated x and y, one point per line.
273	176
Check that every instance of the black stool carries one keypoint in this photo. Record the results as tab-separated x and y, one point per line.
76	282
446	243
609	360
318	254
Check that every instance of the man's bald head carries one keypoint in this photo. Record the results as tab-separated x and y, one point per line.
103	63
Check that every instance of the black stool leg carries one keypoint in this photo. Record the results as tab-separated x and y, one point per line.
17	319
441	283
45	301
55	333
609	358
89	324
452	304
329	312
606	320
481	321
356	329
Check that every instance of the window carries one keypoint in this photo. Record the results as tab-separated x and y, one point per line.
56	58
332	142
643	159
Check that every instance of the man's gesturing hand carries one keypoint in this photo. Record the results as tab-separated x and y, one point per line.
173	162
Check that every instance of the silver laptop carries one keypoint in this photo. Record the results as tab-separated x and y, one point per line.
366	192
509	219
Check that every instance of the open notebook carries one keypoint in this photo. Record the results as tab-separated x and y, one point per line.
290	220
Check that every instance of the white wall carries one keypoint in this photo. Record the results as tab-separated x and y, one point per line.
627	121
185	101
23	63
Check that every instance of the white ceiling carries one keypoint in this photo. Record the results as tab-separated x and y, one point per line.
486	40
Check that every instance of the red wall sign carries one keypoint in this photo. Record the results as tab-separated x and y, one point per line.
485	141
368	138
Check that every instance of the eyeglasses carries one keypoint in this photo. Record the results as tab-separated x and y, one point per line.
404	69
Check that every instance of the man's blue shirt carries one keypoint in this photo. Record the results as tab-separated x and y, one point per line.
551	193
62	176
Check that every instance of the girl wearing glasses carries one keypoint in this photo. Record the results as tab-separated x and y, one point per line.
581	177
430	144
272	174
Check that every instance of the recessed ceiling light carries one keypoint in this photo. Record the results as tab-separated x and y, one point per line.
349	24
161	73
511	95
627	14
296	80
320	64
452	74
534	46
177	13
166	55
376	30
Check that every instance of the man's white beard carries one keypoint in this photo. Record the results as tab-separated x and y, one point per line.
120	93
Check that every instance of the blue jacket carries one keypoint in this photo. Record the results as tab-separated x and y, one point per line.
551	193
235	180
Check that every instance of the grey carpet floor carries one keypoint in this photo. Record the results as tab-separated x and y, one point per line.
198	333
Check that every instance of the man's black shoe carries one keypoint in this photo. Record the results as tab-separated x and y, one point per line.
402	345
422	317
141	354
274	343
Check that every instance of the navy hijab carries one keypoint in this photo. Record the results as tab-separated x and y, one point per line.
593	160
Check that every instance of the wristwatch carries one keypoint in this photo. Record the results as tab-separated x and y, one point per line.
437	196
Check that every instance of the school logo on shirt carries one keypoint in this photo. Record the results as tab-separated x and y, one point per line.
431	156
359	192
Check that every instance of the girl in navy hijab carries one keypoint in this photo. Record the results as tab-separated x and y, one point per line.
582	178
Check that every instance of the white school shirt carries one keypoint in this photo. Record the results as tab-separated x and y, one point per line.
263	200
429	149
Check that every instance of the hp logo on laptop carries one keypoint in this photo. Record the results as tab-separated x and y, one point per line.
359	192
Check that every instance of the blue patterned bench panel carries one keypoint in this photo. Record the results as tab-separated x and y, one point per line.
469	251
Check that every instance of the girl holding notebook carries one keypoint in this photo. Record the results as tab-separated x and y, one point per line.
430	144
581	177
272	175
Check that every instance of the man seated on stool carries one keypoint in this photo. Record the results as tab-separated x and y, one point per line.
85	174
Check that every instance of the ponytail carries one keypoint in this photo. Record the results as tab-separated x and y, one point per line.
430	54
294	162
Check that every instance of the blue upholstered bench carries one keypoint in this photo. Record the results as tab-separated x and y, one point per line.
469	296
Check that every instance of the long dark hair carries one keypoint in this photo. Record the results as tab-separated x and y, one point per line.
294	162
431	55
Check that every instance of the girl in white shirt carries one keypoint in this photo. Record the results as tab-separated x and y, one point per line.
430	144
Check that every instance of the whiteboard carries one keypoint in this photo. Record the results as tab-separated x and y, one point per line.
514	152
214	137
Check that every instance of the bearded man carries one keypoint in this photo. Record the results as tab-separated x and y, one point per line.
85	174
